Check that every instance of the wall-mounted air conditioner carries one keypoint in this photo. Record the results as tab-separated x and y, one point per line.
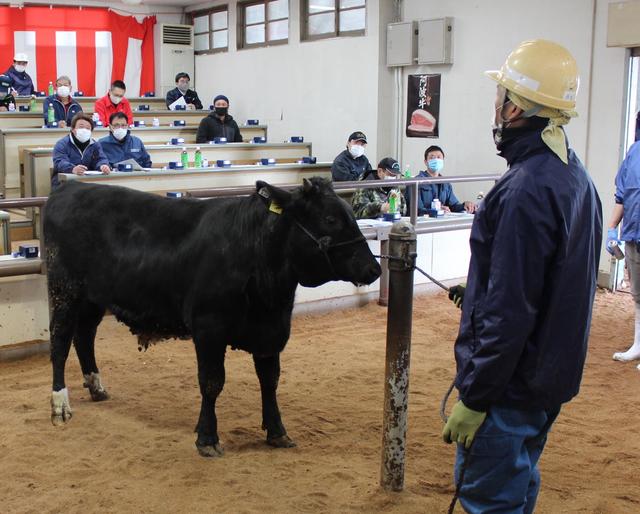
176	54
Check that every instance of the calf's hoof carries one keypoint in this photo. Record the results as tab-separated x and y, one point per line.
60	408
210	450
97	391
283	441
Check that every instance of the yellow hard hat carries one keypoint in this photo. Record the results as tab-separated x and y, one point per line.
541	71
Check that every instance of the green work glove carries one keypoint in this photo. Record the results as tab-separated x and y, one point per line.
462	425
456	294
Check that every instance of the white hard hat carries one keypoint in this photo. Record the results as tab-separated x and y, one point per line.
21	58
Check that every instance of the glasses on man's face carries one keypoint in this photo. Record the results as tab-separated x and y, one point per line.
120	125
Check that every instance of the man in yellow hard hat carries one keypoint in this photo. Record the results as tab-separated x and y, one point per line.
526	309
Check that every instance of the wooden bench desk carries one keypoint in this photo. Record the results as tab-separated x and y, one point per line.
13	141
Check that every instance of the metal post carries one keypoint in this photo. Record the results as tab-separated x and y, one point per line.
415	190
383	298
402	248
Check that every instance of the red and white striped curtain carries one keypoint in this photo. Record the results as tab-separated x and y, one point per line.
92	46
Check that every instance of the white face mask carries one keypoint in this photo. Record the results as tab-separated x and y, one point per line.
63	91
20	68
83	135
389	177
120	133
356	150
183	87
115	99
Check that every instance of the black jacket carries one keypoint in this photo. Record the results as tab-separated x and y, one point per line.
191	97
345	167
535	246
211	127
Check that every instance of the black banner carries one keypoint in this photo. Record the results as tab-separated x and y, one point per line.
423	105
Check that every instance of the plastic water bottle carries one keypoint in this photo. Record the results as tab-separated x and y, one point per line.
95	117
197	160
184	158
50	88
392	202
12	107
435	204
205	162
407	171
51	115
156	122
32	104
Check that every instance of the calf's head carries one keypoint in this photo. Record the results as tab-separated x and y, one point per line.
324	241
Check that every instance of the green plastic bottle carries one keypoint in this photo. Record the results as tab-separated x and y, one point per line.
407	171
184	158
51	88
392	202
51	115
197	161
32	104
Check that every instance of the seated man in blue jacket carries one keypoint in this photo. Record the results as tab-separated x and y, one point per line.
351	164
78	152
22	82
434	160
63	104
7	100
120	145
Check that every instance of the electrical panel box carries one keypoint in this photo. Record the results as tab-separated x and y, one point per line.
401	44
434	41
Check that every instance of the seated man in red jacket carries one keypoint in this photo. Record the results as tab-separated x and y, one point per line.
114	101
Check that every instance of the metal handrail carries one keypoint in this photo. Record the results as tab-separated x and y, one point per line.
19	203
413	183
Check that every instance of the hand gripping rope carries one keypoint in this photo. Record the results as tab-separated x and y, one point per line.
465	463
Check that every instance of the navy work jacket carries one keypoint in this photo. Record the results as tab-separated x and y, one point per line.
535	246
345	167
429	192
61	114
67	155
131	147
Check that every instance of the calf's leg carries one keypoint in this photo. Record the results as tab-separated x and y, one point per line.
211	380
268	371
62	327
89	317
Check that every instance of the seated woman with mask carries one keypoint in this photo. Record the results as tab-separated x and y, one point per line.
434	160
372	203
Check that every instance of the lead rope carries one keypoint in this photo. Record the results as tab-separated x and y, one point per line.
443	403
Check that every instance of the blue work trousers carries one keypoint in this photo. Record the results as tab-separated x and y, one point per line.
502	465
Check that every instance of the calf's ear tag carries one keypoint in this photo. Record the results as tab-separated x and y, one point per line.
264	192
274	207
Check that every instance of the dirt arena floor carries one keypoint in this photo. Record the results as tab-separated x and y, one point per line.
135	452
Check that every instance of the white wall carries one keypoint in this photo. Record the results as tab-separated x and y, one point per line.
323	90
483	35
605	141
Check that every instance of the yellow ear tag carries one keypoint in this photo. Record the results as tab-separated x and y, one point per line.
274	207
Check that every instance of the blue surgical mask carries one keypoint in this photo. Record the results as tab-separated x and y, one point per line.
435	165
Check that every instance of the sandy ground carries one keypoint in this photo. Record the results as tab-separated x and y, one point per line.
135	452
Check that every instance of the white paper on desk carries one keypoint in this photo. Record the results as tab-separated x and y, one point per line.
134	164
367	222
179	101
92	172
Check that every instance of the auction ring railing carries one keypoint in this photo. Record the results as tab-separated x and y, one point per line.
34	266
